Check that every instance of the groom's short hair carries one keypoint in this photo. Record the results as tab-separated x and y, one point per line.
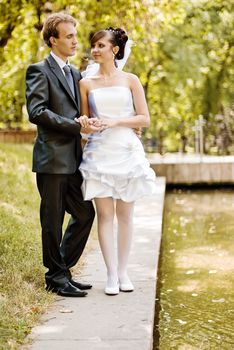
50	27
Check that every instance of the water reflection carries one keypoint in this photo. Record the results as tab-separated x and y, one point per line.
196	273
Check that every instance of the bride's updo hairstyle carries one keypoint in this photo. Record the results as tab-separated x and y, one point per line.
117	37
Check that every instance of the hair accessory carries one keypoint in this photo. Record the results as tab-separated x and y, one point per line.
127	51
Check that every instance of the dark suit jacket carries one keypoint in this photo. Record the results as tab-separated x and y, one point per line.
52	107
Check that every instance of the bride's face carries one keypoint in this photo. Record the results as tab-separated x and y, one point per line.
103	51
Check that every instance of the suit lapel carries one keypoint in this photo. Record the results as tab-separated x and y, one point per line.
57	71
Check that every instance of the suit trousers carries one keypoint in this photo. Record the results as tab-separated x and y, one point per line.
61	193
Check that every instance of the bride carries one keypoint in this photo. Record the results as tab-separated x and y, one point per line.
114	167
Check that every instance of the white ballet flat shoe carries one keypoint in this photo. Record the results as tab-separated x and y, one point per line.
126	287
112	286
112	290
125	284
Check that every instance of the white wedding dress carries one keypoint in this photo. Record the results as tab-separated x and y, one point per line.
114	163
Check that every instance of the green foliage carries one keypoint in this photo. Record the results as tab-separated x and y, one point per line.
183	54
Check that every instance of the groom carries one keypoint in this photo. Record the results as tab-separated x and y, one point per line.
53	103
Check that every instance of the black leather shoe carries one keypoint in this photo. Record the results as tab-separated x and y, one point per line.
81	286
67	290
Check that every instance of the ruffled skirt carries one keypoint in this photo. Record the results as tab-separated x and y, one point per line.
114	165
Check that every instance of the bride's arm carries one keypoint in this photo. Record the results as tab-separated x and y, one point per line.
142	117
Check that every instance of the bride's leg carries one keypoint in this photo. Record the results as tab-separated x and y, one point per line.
105	217
124	212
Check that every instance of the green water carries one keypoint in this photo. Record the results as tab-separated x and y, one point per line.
196	289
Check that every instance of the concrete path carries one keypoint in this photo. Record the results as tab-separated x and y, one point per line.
98	321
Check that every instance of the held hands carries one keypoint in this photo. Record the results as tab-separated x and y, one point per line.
90	125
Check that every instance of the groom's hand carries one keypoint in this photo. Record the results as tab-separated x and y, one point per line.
83	120
138	132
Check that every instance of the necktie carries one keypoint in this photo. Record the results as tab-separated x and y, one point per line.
69	78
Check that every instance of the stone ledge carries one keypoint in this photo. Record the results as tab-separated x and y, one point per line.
194	169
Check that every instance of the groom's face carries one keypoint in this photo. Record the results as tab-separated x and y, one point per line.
65	45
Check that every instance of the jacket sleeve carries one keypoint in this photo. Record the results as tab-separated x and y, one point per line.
37	95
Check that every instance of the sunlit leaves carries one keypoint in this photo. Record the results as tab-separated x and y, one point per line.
183	53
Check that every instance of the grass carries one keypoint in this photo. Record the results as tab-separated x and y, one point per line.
22	295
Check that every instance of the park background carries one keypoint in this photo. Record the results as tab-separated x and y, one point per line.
183	54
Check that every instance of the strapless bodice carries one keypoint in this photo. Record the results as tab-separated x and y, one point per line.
111	102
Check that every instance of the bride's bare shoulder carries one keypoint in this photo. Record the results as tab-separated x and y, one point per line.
87	81
131	78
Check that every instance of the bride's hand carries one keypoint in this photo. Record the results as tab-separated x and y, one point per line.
95	122
90	129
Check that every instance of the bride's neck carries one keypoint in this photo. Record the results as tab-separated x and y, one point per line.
107	70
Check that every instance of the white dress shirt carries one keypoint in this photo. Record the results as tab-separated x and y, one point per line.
60	62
